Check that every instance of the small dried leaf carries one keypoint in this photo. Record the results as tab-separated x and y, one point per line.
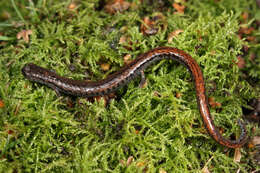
245	15
246	30
105	66
122	162
237	156
212	101
10	132
178	95
238	170
250	145
217	104
152	26
241	62
157	94
252	56
250	38
122	39
174	34
129	160
72	6
24	34
148	28
256	140
117	6
2	104
180	8
140	164
162	171
205	170
127	59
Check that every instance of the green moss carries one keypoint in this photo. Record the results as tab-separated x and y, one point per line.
41	133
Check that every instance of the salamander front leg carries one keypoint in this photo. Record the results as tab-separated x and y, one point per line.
143	79
56	89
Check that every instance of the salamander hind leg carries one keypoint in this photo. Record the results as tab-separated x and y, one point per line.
56	89
143	79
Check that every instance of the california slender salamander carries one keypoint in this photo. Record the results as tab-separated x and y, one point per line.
129	72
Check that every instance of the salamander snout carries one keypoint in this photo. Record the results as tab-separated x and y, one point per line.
27	69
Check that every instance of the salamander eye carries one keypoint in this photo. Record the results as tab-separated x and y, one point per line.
26	69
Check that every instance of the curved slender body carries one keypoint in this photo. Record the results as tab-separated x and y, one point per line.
129	72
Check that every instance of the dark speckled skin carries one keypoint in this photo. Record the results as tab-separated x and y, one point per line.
129	72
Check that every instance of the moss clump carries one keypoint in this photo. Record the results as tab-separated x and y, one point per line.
140	132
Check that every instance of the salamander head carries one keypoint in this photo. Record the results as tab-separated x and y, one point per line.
26	70
34	72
